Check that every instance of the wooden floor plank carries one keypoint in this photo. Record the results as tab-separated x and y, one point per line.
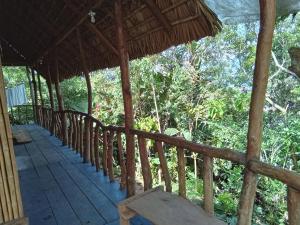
102	204
79	202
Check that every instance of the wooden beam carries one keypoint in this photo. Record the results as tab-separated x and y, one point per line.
127	99
82	16
158	15
260	81
101	36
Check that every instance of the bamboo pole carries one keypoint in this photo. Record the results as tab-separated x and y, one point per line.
260	81
146	170
9	174
127	98
60	104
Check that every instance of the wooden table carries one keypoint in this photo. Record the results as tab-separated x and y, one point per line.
163	208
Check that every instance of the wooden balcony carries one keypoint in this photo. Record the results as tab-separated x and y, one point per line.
57	188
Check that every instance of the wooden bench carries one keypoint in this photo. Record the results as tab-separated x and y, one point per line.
163	208
21	136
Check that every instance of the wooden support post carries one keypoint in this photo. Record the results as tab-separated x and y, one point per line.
121	161
208	185
49	85
164	165
260	81
110	149
181	172
127	98
60	105
35	97
89	90
31	90
10	196
294	206
146	170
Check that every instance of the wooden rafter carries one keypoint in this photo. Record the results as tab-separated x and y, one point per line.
159	16
94	29
82	16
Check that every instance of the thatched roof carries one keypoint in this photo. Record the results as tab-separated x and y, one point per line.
33	31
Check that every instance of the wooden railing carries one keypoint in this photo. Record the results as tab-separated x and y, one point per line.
103	138
21	114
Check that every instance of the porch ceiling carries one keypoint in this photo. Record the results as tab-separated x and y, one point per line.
33	32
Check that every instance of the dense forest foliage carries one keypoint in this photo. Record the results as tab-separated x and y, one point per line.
202	91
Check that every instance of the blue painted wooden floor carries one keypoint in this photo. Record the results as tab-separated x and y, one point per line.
58	189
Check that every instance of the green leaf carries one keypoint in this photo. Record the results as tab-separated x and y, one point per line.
187	135
171	131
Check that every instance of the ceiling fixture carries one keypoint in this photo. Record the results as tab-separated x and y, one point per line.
92	14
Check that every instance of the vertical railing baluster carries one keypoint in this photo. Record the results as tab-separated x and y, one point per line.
104	153
77	133
164	166
208	185
92	155
74	132
69	129
110	155
96	147
181	172
146	170
121	161
81	135
293	206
